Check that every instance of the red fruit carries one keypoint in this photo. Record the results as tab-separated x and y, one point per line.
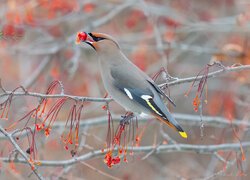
116	160
82	36
8	30
89	7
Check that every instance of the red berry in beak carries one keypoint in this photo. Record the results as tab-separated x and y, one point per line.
81	36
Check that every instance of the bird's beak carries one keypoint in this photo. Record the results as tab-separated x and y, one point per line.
85	37
90	41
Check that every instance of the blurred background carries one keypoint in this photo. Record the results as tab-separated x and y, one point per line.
37	46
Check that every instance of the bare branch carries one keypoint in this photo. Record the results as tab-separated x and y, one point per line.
182	118
210	75
210	120
202	149
55	96
82	98
25	158
109	16
53	47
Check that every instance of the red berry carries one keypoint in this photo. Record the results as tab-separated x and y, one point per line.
82	36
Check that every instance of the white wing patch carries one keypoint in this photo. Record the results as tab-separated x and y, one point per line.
146	97
128	93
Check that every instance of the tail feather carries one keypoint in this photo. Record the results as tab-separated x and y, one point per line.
171	122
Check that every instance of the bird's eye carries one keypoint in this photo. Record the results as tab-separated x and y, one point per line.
96	39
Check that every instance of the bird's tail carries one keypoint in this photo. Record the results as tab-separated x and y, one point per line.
171	122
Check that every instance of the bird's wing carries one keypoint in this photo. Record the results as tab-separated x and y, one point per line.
151	101
136	88
139	87
142	96
139	90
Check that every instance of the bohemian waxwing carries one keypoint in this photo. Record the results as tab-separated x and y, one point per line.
126	83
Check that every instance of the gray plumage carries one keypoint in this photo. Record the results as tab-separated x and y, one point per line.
127	84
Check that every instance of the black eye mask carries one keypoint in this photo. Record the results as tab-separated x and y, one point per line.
96	39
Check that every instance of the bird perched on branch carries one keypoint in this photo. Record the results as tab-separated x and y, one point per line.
126	83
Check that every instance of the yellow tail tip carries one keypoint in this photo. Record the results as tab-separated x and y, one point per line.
183	134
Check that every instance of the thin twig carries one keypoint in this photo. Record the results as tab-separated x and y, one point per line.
202	149
182	118
210	75
54	47
82	98
55	96
221	172
25	158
